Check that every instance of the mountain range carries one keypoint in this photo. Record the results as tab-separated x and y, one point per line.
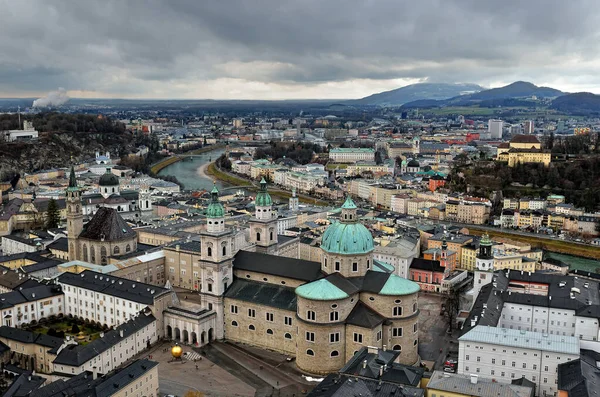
414	92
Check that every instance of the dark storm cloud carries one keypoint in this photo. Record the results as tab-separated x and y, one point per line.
190	47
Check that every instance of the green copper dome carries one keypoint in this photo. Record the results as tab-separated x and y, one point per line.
263	198
396	285
215	208
349	204
347	238
108	179
320	290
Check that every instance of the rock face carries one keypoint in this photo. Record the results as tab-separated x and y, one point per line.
59	150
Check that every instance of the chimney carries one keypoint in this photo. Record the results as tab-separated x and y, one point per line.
364	364
94	373
474	379
380	371
121	333
177	248
384	347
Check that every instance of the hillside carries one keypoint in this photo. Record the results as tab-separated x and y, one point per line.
415	92
502	96
518	89
59	144
580	103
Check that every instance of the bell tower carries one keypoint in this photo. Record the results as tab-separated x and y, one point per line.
263	226
214	272
74	216
294	205
484	264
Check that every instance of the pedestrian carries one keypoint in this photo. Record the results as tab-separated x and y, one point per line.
196	367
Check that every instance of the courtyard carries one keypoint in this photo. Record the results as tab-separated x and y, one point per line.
81	331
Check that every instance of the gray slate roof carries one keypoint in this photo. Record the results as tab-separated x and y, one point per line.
107	224
277	296
77	355
114	286
461	384
297	269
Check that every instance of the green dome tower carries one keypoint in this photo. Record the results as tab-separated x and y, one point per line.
215	213
263	226
347	244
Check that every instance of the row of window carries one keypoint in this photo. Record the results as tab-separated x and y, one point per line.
337	265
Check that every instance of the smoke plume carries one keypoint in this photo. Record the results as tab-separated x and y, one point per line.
54	98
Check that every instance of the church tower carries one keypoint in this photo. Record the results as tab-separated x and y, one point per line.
144	203
215	272
74	216
263	226
484	264
294	204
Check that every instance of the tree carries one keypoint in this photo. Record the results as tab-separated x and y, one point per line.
52	215
75	329
451	308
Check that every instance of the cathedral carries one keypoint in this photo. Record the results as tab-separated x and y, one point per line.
322	313
105	235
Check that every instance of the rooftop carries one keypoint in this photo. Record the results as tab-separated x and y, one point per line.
462	385
522	339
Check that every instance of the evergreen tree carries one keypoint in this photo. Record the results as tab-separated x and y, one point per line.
52	215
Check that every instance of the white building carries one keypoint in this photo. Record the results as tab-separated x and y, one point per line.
111	300
23	306
351	155
495	128
110	350
399	254
506	354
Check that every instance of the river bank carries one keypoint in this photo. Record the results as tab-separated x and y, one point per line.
191	171
225	177
167	161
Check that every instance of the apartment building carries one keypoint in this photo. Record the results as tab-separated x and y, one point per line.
507	354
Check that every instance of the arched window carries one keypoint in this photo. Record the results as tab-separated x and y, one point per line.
209	251
127	248
397	348
92	254
257	236
147	204
103	260
310	352
116	250
269	331
234	323
334	353
414	307
251	327
271	236
85	253
287	335
224	250
415	342
345	216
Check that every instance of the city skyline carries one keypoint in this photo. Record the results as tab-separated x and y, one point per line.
301	50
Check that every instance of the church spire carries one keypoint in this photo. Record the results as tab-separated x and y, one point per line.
72	179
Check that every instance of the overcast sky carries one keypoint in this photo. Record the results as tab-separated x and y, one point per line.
277	49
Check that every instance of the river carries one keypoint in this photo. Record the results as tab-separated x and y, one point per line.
189	171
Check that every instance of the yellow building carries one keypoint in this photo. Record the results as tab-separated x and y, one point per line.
523	149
